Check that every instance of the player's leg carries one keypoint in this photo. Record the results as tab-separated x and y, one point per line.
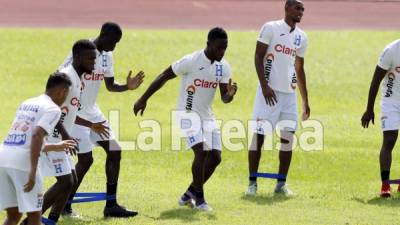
213	159
13	216
34	218
254	157
385	159
285	158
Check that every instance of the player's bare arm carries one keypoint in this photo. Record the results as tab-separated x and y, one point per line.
99	127
301	77
132	83
66	136
369	114
228	91
140	104
65	145
269	94
36	145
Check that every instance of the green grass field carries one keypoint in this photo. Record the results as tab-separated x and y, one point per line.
338	185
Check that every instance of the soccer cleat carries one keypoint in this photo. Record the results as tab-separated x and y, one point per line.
251	189
186	202
118	211
385	190
70	213
204	207
284	190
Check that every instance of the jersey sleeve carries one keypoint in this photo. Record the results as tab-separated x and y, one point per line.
386	59
49	120
182	66
226	75
67	62
108	63
266	34
301	52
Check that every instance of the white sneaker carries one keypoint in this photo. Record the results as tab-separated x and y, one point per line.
284	190
251	190
189	203
204	207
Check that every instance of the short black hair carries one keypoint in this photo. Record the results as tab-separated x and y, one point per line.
111	28
289	3
217	33
58	79
82	44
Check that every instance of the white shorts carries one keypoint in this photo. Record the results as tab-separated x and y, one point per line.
55	164
282	115
390	116
87	139
12	183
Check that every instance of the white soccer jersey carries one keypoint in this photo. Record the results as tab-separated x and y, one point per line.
69	108
89	110
200	79
39	111
283	47
390	61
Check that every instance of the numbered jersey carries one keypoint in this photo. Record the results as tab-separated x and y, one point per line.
283	47
69	108
200	79
390	61
103	67
35	112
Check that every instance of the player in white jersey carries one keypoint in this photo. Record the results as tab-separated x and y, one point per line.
279	62
59	164
201	73
388	70
89	115
21	184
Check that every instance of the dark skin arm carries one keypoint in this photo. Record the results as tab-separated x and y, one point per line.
301	76
66	136
99	127
369	114
269	94
131	83
165	76
227	91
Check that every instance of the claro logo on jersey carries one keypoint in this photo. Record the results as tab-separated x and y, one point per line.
269	59
390	84
94	76
191	89
285	50
205	83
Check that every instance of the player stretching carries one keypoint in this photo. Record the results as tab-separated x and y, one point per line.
201	72
388	70
90	119
279	62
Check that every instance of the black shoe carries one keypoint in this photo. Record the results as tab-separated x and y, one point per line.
118	211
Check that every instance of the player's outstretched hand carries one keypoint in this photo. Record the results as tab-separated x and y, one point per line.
31	182
134	82
101	129
368	116
139	106
232	88
69	146
269	95
306	111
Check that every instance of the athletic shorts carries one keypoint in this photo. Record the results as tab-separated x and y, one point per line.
390	115
87	138
12	183
55	164
282	115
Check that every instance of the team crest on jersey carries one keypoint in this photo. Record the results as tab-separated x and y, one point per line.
297	40
218	71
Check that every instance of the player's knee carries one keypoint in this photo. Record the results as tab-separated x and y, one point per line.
389	140
114	156
217	159
67	181
14	217
85	161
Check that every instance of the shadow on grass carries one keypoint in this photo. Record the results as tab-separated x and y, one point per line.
269	199
185	215
386	202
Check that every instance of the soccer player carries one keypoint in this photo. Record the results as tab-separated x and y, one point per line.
201	73
59	164
21	184
279	62
388	70
90	118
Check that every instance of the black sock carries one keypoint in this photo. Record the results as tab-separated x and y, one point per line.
281	179
252	178
54	217
111	191
68	205
199	197
385	175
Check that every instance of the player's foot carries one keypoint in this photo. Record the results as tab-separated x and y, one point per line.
118	211
251	189
385	190
70	213
284	190
204	207
185	201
